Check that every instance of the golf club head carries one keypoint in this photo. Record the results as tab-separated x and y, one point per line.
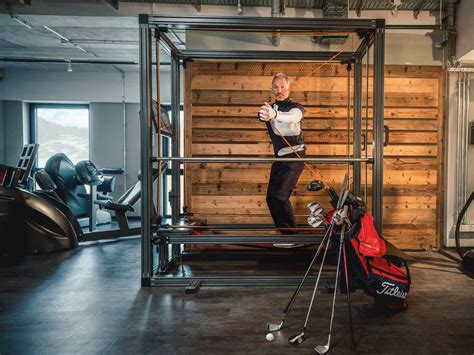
272	327
314	206
316	185
317	212
314	222
296	339
321	349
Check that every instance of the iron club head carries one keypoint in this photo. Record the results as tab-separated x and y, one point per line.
296	339
313	206
321	349
272	327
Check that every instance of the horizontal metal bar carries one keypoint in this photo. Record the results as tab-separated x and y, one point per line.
412	27
257	280
257	23
226	159
167	42
243	239
461	70
263	55
241	225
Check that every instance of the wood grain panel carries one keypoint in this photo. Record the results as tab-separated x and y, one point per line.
222	102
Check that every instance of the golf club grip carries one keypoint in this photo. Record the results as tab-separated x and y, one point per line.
343	187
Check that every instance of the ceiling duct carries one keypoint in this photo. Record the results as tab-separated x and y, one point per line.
333	9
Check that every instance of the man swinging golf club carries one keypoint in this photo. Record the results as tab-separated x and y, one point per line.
283	119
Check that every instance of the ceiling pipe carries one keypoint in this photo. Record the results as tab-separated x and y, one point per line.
276	36
73	61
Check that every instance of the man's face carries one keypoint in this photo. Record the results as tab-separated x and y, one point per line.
280	89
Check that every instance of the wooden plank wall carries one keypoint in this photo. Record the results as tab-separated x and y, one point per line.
222	100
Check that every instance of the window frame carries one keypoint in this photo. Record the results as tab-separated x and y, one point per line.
34	122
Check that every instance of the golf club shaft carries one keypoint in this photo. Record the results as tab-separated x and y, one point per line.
319	276
336	282
297	291
348	296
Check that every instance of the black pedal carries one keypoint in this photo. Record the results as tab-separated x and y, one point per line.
193	287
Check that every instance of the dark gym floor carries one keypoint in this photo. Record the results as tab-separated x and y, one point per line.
89	301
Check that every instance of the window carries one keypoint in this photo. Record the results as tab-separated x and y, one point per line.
60	129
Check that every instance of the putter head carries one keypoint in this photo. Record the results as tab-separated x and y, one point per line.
296	339
272	327
315	185
321	349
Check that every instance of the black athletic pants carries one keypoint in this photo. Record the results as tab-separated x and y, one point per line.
283	179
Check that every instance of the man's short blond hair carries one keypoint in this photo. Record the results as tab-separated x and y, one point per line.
280	75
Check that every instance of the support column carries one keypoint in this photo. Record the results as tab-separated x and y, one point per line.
175	194
378	131
357	129
145	150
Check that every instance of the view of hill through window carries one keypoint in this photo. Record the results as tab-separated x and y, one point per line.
62	130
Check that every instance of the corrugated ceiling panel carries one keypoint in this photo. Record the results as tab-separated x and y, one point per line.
431	5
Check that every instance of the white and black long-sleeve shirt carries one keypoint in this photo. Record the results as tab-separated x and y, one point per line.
288	122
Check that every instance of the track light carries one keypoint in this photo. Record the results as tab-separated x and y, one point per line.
21	21
69	66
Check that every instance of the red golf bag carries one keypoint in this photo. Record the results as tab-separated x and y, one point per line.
381	274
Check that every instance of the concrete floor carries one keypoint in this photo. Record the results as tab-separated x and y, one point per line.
89	301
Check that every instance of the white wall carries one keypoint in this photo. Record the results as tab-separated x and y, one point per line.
16	130
77	86
115	127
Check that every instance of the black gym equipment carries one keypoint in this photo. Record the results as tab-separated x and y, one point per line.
42	221
30	223
69	186
467	255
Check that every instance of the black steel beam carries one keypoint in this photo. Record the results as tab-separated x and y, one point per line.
260	24
216	281
168	44
265	55
412	27
357	145
242	239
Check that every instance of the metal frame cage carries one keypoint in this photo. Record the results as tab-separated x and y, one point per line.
168	244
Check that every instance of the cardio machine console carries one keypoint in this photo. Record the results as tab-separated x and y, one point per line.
88	174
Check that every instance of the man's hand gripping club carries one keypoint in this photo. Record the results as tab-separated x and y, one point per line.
266	113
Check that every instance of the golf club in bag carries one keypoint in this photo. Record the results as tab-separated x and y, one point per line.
369	262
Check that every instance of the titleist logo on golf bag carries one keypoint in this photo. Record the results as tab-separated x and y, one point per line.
384	277
390	289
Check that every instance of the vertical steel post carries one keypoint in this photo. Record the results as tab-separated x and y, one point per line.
163	248
357	129
378	132
175	195
145	150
